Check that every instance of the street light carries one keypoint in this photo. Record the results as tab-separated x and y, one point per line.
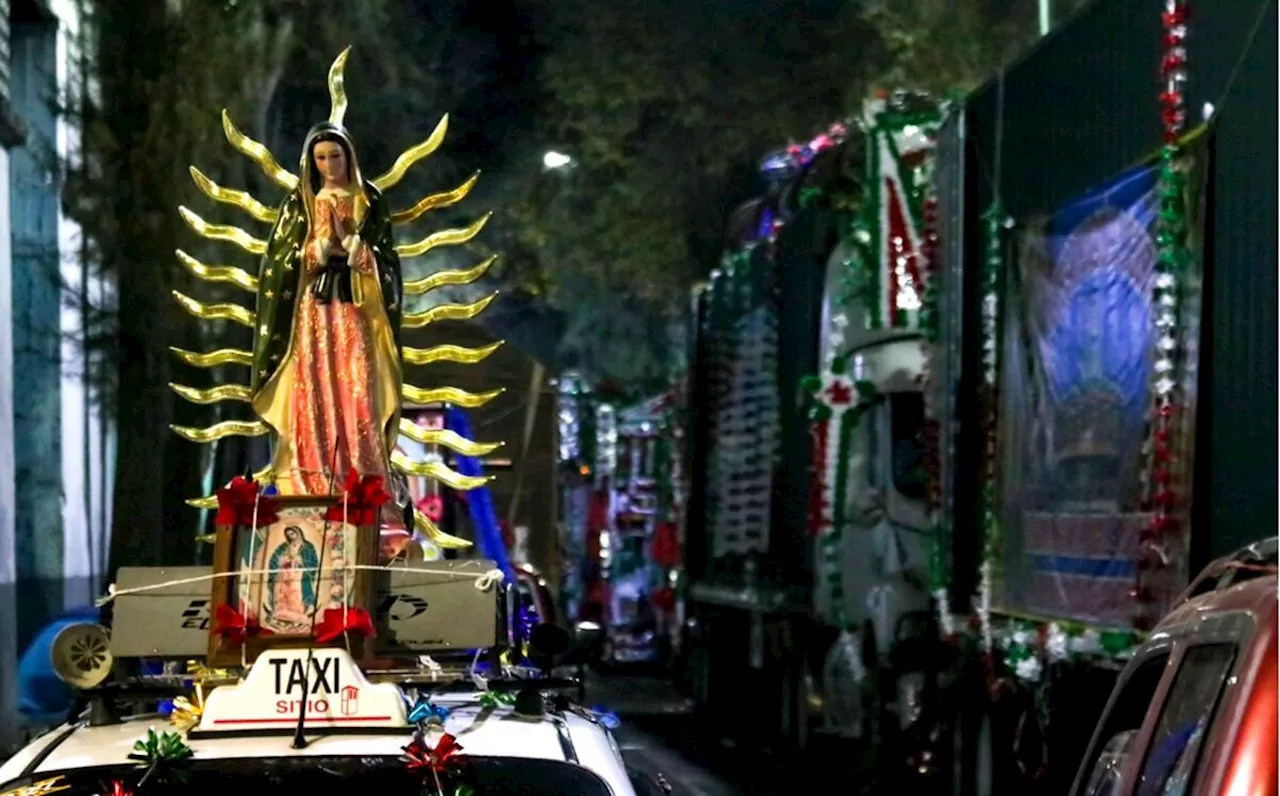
556	160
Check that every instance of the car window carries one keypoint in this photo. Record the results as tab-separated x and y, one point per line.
335	776
1185	719
1120	728
871	423
907	421
1107	774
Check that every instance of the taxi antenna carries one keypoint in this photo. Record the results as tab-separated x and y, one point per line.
299	734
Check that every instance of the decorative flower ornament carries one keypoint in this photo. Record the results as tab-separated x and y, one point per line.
186	712
424	712
161	755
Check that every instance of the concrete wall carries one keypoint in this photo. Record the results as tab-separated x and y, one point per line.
8	564
56	452
37	297
86	440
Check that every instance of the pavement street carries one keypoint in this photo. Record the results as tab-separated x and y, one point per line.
657	736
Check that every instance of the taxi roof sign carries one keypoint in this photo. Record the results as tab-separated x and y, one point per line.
270	699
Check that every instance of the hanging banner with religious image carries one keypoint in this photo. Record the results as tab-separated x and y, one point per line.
886	266
1086	359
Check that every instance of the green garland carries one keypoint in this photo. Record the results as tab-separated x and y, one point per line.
992	267
1030	646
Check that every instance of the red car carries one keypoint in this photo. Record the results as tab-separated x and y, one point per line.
1194	713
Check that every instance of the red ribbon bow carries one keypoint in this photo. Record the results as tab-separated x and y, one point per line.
338	622
235	627
447	753
360	501
236	504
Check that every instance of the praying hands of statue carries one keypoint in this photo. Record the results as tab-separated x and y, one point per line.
344	231
342	227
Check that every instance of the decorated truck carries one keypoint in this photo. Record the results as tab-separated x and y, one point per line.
620	531
1022	369
1066	345
746	451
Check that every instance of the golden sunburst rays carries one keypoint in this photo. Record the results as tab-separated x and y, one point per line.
337	88
449	353
423	524
447	438
214	312
445	237
447	312
213	359
412	155
435	201
459	276
263	476
228	196
227	428
223	232
219	273
439	471
449	395
213	395
258	154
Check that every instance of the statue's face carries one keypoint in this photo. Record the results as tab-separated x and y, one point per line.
330	162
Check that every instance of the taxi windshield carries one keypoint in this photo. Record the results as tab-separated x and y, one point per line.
335	776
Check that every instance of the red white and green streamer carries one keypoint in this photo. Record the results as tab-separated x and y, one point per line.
838	405
1171	266
885	265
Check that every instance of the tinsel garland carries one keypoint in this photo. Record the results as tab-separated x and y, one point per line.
1171	265
838	406
939	550
1029	646
882	270
991	547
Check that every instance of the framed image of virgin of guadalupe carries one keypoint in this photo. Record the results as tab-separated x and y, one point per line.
299	576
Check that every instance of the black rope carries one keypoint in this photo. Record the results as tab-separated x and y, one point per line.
299	738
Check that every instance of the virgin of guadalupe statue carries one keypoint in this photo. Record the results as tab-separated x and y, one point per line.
326	361
327	378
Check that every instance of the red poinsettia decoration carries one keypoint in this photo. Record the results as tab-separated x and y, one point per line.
361	499
241	502
446	754
235	627
118	788
338	622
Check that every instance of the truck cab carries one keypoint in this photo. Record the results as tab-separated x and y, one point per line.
885	540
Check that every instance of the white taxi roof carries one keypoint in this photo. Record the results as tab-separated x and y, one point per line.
496	732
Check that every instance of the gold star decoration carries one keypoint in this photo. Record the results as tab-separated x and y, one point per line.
187	712
40	788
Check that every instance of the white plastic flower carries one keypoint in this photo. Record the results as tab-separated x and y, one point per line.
1028	669
1055	643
